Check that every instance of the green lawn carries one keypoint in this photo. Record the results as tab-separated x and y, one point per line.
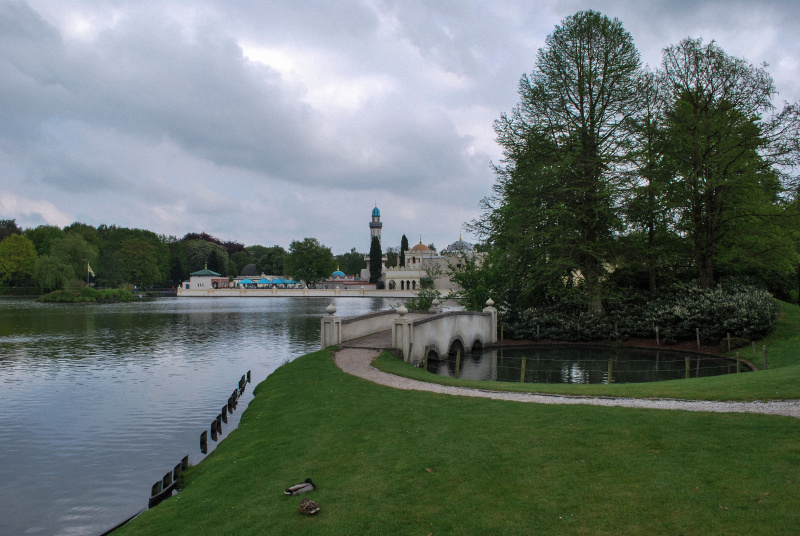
405	462
780	381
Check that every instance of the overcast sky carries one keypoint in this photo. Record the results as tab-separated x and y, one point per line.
270	121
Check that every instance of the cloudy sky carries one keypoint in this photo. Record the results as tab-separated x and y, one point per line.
270	121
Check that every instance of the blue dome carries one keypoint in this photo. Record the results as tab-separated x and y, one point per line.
338	273
376	213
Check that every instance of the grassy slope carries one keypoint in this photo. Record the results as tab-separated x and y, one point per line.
496	467
781	381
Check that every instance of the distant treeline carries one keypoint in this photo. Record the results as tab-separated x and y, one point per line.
49	258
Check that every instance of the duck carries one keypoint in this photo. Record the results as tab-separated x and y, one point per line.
308	507
303	487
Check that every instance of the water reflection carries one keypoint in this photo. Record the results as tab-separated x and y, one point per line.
99	401
561	364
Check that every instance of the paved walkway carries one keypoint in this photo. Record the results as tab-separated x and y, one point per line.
358	362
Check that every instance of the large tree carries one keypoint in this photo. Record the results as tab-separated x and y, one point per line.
309	260
729	150
75	252
351	263
272	261
563	149
17	259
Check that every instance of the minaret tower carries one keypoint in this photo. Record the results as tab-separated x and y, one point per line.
375	225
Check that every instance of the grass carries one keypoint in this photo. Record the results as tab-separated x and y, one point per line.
781	381
405	462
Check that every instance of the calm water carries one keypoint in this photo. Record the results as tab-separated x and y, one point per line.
99	401
560	364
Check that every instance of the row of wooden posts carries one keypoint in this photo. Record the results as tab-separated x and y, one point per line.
216	424
164	487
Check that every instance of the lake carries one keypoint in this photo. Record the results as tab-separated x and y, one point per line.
99	401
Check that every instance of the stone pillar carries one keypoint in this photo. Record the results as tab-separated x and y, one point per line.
401	333
331	328
493	311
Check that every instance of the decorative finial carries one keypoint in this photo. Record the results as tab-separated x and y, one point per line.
402	310
331	309
489	302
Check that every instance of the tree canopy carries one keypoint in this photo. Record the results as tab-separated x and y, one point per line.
308	260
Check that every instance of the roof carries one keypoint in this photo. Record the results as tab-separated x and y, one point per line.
205	272
376	213
420	248
249	270
459	246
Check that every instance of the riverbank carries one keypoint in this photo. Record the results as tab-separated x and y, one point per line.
404	462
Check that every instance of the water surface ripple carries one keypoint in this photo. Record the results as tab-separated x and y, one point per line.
99	401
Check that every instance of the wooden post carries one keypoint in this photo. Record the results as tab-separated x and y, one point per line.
425	357
765	357
656	335
230	404
224	414
204	441
458	363
687	368
156	489
610	361
176	471
729	341
697	331
167	480
522	371
185	463
214	430
248	376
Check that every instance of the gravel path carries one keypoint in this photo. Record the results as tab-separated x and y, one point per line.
358	362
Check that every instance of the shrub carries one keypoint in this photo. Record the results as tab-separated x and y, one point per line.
744	310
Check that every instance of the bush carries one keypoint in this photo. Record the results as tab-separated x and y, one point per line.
741	309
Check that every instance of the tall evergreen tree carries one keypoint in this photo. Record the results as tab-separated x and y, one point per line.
375	260
403	249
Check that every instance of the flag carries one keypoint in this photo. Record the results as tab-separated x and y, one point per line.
90	269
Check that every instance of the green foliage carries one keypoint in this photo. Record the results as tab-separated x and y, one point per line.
51	273
375	260
403	249
553	204
733	307
272	261
423	301
139	262
8	228
42	237
17	260
309	261
351	263
201	254
75	252
238	261
87	295
391	258
89	233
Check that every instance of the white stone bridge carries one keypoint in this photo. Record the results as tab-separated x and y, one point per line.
440	333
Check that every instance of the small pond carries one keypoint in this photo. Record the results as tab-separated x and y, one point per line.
573	364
